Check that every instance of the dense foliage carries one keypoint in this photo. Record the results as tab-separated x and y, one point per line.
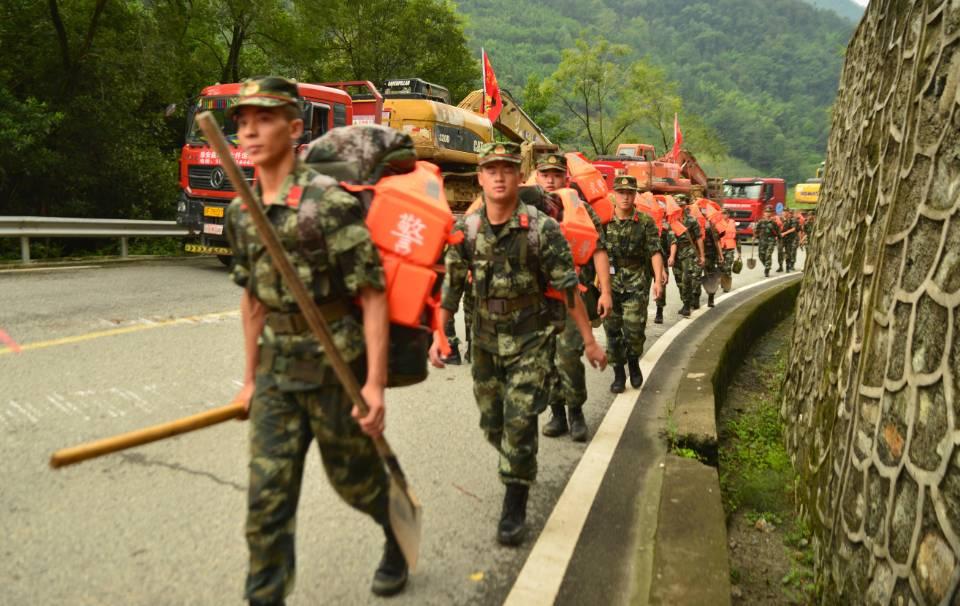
93	92
761	73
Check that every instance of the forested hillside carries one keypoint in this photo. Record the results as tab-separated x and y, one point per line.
845	8
761	73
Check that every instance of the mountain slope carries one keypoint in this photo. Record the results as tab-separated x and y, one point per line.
762	73
845	8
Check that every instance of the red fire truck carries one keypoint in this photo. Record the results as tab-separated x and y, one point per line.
205	190
746	198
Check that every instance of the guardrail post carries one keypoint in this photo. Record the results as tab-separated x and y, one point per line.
25	249
123	247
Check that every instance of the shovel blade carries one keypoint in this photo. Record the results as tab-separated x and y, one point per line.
711	282
751	263
406	517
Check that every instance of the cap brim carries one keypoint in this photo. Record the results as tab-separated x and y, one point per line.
556	167
256	102
625	188
492	159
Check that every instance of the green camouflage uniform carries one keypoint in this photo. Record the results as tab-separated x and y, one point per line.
713	257
631	244
667	239
790	241
297	397
686	263
569	383
513	324
766	233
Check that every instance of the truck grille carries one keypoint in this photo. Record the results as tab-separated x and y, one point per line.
740	214
203	177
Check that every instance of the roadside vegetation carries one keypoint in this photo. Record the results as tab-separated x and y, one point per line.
770	552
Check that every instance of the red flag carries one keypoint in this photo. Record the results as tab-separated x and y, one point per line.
677	138
492	102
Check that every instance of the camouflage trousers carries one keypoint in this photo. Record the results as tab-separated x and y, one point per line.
766	247
568	385
282	426
790	251
626	326
511	391
728	257
690	273
780	252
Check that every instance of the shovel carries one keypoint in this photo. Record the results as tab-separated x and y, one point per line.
405	510
711	282
751	262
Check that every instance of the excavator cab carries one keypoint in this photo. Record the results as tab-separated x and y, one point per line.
415	88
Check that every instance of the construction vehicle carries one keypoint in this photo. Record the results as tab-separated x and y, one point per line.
662	175
205	192
746	198
451	136
808	192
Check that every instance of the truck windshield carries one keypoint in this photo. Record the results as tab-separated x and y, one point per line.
217	105
749	191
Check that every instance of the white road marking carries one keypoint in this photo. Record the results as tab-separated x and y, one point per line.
541	576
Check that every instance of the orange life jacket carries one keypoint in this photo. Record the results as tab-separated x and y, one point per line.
577	226
648	205
410	222
728	235
591	182
674	214
696	214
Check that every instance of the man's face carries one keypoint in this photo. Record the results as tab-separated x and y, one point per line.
500	181
625	198
266	134
551	180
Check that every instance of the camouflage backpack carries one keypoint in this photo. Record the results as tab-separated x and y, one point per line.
362	155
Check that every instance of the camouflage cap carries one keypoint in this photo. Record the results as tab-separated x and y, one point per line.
625	183
682	199
499	152
552	162
269	91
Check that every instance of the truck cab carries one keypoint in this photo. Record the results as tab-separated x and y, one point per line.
746	198
205	190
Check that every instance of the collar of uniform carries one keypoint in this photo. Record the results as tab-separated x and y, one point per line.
512	223
281	200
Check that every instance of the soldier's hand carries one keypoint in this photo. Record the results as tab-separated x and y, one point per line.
657	289
244	397
702	261
604	305
666	279
435	354
596	356
373	424
670	261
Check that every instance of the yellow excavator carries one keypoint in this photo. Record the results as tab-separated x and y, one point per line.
449	135
808	192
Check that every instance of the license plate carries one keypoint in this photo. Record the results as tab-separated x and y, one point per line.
213	211
211	228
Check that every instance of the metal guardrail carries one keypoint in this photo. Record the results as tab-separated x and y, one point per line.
58	227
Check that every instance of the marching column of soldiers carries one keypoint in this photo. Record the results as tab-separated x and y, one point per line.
525	345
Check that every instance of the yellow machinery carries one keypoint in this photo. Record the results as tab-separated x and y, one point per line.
450	136
808	192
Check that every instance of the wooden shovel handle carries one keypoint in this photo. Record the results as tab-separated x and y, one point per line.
90	450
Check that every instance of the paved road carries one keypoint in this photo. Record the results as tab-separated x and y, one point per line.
107	349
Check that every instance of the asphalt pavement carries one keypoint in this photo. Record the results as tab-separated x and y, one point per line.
93	351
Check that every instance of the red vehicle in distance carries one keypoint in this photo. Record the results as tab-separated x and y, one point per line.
746	198
205	190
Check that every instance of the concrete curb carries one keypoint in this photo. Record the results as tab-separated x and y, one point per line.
690	564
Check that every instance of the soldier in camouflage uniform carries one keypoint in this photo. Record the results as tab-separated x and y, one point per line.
731	248
713	255
690	256
515	253
767	233
791	238
568	385
636	258
668	248
290	390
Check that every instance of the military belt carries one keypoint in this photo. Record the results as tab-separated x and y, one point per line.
630	263
531	323
295	323
505	306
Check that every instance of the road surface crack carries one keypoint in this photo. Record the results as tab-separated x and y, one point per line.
139	459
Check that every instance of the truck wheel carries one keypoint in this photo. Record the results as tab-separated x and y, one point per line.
225	259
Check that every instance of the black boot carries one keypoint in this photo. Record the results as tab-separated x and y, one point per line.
696	304
466	354
391	574
636	377
766	272
659	317
454	357
578	425
685	311
513	519
709	300
557	426
619	384
780	269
